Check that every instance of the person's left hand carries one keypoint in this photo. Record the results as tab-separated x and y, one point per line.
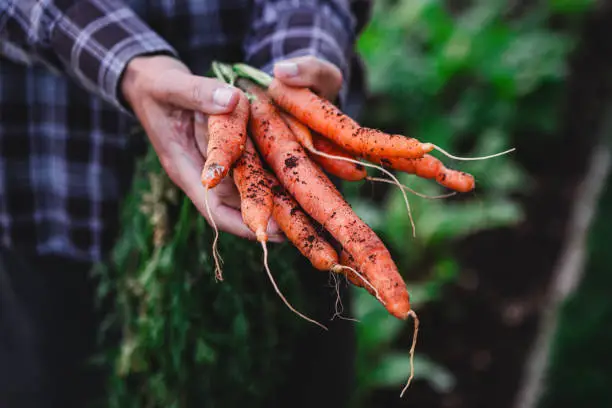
322	77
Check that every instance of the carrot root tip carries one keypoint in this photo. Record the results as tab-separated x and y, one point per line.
212	175
262	236
415	319
280	294
215	251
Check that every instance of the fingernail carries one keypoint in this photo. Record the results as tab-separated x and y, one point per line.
223	96
287	69
199	117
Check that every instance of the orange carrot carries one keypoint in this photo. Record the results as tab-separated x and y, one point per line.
319	198
342	169
300	131
226	138
336	160
256	200
257	205
428	167
315	144
456	180
348	260
298	228
325	118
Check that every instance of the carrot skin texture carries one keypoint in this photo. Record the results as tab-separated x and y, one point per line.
256	201
325	118
300	231
428	167
347	260
300	131
339	168
313	142
226	139
320	199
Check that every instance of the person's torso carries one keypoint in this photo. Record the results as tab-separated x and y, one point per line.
65	156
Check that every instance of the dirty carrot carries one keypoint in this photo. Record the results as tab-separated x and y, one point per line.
226	138
343	169
321	148
255	196
320	199
428	167
302	233
298	229
325	118
256	206
336	160
347	259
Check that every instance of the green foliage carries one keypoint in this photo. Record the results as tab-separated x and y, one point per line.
186	340
470	80
584	334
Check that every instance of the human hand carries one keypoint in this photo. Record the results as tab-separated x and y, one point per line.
164	95
322	77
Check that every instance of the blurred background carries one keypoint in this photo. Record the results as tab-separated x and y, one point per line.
512	282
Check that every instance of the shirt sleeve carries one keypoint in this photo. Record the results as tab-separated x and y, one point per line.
90	40
282	29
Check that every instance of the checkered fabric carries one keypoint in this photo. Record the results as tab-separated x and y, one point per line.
65	154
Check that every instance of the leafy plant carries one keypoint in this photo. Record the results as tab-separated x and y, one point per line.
185	339
471	79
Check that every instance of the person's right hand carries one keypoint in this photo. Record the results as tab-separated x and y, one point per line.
164	95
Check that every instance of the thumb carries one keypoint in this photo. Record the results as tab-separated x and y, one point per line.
197	93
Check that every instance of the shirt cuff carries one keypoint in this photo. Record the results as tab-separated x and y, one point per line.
298	31
95	40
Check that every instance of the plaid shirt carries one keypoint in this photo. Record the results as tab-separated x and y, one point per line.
65	155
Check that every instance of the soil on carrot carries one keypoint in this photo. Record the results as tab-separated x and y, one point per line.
483	327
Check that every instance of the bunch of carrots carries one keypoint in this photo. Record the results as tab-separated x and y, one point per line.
279	144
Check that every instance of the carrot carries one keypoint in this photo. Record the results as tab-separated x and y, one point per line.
319	198
324	117
336	160
226	139
348	260
321	149
345	170
255	196
300	131
299	229
257	205
428	167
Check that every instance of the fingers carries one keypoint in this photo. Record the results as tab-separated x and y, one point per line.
200	132
321	76
228	193
274	232
196	93
230	220
184	168
227	219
